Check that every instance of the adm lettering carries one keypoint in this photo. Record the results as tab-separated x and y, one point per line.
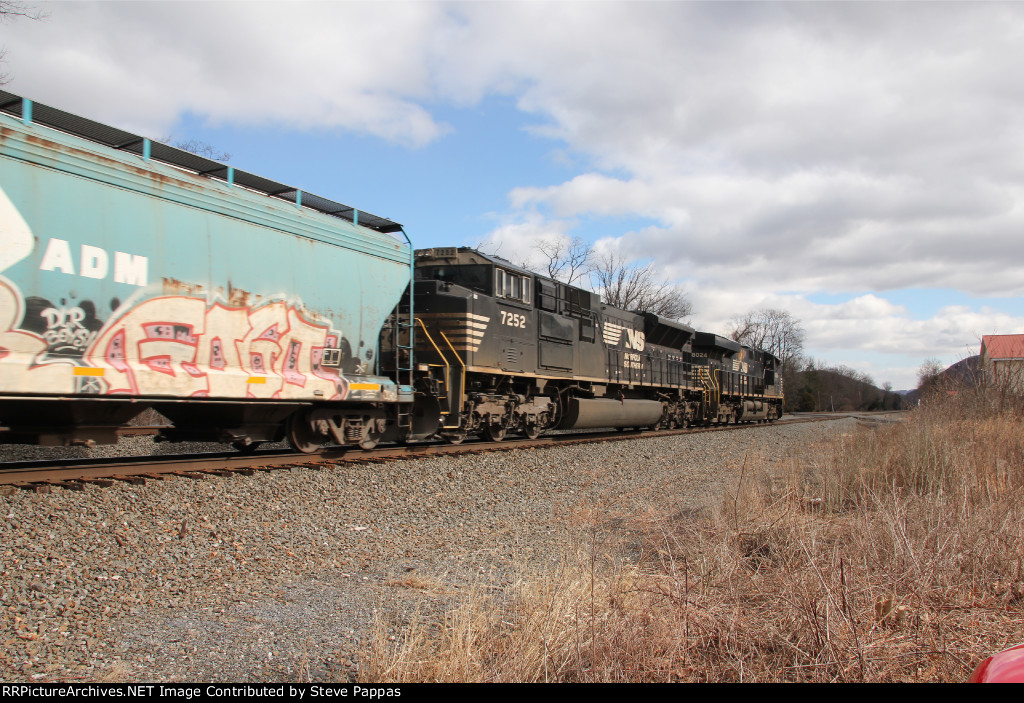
94	262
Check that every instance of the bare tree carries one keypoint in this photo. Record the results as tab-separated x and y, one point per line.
10	11
618	281
568	260
929	375
771	329
633	287
199	148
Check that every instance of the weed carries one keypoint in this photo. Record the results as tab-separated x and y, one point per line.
891	554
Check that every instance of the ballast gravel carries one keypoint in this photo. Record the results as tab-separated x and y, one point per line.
279	576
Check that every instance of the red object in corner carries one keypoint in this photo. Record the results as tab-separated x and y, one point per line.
1005	667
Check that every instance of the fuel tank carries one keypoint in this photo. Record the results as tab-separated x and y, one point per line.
583	413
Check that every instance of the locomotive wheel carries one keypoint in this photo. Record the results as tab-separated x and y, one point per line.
531	431
301	435
494	433
456	437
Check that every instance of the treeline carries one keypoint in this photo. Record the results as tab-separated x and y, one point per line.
810	387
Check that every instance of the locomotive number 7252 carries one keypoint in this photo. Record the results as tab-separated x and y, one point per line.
513	319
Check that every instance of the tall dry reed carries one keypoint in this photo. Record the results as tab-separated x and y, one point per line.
892	553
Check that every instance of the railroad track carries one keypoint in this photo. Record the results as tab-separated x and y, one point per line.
75	474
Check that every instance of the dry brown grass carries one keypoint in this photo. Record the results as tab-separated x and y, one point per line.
892	554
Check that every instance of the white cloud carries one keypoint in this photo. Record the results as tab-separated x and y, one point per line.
840	147
517	241
866	332
949	333
303	65
776	149
815	230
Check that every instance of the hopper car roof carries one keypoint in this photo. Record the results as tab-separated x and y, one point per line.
126	141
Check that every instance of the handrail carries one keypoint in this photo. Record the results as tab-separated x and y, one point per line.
462	384
447	369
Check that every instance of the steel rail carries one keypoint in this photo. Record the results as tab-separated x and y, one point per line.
41	474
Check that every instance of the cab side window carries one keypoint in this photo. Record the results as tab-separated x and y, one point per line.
512	286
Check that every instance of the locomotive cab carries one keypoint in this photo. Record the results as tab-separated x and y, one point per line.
477	343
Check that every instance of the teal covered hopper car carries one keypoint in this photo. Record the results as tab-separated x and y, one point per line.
136	275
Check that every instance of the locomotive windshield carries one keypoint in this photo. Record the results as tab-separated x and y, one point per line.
474	277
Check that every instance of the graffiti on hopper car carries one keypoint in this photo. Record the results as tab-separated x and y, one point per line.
68	327
170	345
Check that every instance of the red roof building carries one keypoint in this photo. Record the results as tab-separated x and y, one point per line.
1002	360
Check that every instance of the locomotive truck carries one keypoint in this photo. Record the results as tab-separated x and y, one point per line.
135	275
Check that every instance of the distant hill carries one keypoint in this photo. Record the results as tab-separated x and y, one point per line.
839	388
964	373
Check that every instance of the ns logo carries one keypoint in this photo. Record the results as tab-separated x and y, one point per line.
613	333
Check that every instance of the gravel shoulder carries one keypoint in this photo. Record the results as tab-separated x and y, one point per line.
279	576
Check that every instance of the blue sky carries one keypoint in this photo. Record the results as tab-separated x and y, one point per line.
449	187
857	164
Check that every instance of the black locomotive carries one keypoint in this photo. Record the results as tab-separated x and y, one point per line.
501	349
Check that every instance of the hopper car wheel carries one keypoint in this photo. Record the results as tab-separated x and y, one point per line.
246	447
373	430
303	437
370	442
